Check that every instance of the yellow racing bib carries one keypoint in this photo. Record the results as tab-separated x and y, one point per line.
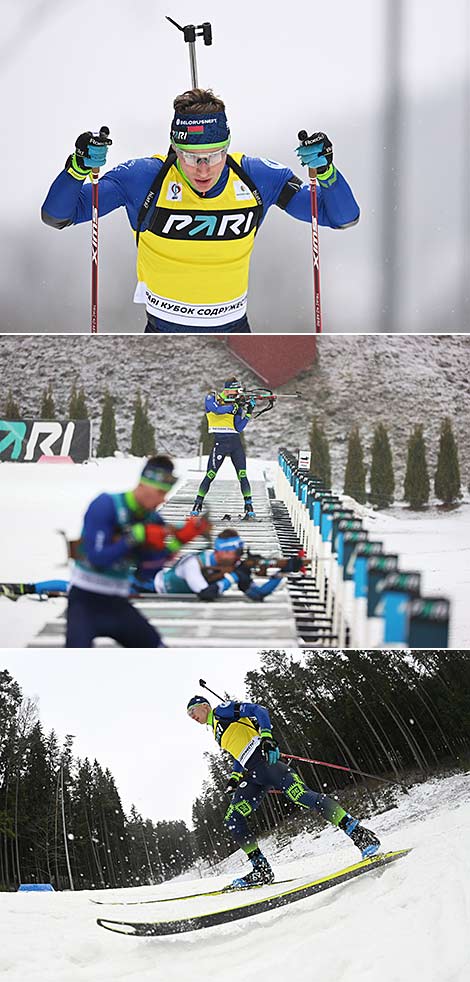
193	260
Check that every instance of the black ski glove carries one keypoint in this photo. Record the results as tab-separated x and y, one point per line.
209	593
244	577
269	747
90	153
294	565
233	782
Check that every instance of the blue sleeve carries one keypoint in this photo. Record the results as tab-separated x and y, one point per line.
240	421
337	206
212	406
99	529
68	201
227	711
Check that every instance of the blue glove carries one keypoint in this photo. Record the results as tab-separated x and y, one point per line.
269	747
316	152
251	404
90	153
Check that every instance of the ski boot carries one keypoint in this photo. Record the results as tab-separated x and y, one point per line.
249	515
260	874
15	590
364	839
197	507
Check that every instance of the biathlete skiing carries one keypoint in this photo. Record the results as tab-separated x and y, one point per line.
195	212
244	731
226	420
117	528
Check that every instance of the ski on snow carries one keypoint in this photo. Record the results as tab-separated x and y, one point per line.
240	911
189	896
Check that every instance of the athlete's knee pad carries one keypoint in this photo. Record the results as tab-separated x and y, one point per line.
296	790
242	808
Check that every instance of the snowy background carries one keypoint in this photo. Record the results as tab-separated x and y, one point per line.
67	67
408	921
355	381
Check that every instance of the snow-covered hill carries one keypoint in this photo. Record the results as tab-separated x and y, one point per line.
356	381
408	921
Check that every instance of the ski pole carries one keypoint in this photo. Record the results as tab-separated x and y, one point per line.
325	763
103	137
191	32
351	770
303	137
204	686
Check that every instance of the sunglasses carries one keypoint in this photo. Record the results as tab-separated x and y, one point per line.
212	159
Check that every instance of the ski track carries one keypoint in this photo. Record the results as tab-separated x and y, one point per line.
409	920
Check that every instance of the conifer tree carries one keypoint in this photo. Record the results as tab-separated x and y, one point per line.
149	432
417	484
204	436
47	404
81	407
321	464
138	428
382	479
77	403
355	474
447	476
107	445
12	409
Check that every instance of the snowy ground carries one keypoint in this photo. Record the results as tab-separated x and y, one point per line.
408	921
37	500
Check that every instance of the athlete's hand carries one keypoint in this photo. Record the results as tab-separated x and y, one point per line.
233	783
150	534
243	577
269	747
294	564
90	153
193	527
209	593
316	152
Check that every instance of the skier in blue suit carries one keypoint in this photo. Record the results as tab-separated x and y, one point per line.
244	731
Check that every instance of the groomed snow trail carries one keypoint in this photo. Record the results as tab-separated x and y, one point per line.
408	921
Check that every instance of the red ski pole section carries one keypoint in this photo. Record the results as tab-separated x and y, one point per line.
94	252
315	251
324	763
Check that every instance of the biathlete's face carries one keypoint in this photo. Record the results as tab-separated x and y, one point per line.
226	557
149	497
200	712
202	169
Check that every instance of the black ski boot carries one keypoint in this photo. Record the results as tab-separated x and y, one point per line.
260	874
249	515
197	507
364	839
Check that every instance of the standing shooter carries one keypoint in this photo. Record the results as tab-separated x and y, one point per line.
226	420
244	731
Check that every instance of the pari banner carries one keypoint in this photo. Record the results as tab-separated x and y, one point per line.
27	440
